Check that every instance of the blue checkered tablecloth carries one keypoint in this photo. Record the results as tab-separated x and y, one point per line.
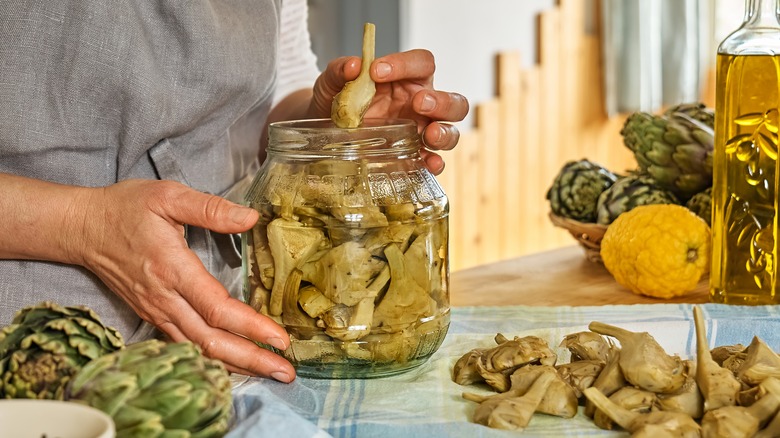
425	402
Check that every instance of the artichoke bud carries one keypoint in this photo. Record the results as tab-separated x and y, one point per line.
677	145
46	345
576	189
156	389
629	192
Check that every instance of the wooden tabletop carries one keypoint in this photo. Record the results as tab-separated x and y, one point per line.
561	277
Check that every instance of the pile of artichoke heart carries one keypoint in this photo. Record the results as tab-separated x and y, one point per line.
632	385
673	151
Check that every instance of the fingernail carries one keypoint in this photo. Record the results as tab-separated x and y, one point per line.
383	70
440	134
239	214
276	343
280	376
428	103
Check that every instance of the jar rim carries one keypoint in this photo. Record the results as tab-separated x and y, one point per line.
326	125
316	136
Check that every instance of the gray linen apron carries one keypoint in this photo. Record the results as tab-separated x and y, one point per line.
93	92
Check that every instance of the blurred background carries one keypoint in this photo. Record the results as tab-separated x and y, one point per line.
548	82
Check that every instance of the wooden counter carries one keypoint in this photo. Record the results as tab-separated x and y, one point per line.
561	277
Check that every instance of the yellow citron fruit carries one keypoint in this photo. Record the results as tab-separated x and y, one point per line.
659	250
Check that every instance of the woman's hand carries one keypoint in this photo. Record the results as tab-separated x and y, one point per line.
404	89
133	240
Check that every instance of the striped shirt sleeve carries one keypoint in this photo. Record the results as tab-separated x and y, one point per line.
297	67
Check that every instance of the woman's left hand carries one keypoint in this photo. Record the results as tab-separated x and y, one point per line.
404	89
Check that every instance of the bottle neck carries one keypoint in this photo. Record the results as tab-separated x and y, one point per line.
759	33
761	13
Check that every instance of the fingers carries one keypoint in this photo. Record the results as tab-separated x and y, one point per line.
209	298
441	136
226	328
338	72
440	105
433	162
415	64
237	353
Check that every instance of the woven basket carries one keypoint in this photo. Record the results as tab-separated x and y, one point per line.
588	235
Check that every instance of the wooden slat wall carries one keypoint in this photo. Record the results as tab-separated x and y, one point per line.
542	116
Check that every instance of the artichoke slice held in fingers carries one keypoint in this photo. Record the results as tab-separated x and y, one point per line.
351	103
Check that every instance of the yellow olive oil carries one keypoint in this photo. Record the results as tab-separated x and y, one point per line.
744	194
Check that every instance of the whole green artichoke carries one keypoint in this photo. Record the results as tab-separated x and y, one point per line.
157	389
46	344
629	192
701	204
576	189
674	148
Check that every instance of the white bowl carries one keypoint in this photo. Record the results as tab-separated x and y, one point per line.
53	419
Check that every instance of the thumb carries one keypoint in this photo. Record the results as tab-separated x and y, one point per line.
211	212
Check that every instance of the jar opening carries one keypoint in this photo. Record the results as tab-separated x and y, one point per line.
322	135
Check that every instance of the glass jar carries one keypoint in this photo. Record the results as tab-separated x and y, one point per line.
744	194
350	254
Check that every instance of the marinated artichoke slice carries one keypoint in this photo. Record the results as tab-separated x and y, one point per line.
608	381
587	346
661	423
46	345
514	413
575	190
627	397
687	399
760	362
643	361
559	399
718	385
740	421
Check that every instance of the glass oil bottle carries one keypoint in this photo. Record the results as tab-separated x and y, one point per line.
745	185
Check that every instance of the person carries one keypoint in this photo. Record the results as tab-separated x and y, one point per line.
124	128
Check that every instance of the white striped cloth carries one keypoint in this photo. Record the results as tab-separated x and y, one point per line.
425	402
